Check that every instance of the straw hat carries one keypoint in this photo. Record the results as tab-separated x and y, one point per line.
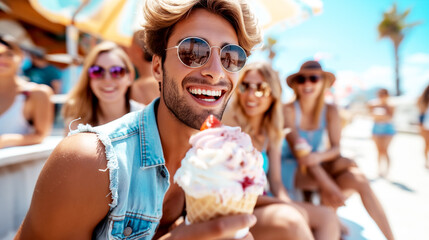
311	66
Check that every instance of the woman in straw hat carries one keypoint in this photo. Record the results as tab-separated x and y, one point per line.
308	117
256	107
26	113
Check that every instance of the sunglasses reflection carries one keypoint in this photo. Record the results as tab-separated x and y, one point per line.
195	52
228	60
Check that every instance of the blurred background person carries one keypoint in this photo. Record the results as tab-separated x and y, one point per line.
145	88
308	117
423	105
256	107
26	113
102	93
42	72
383	129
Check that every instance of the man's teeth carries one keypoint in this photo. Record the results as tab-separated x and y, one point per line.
212	93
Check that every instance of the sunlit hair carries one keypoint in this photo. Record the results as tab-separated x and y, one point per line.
162	15
82	102
423	100
272	122
320	98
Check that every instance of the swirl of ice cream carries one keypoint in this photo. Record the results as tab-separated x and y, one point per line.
222	162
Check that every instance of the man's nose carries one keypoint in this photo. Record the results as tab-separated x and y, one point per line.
213	68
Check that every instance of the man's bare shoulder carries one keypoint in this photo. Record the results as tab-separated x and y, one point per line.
84	148
79	163
72	182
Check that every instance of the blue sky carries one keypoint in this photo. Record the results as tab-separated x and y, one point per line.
345	38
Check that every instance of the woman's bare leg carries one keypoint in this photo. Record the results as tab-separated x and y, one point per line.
381	154
425	135
354	179
385	142
323	221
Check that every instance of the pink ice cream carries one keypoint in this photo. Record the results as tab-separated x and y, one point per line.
222	162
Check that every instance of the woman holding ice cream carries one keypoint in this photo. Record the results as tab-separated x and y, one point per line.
310	118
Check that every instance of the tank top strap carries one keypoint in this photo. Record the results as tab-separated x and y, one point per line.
297	114
323	117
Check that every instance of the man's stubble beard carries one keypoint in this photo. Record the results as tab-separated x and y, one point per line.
177	105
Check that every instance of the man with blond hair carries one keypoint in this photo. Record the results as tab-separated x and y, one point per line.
116	184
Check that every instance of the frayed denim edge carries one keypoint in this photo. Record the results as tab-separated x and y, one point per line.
112	160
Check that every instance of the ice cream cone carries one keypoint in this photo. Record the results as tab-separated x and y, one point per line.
221	174
302	149
209	207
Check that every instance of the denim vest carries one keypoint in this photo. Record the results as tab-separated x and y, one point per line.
138	176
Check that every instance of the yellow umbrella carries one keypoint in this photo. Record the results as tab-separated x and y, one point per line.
113	20
289	12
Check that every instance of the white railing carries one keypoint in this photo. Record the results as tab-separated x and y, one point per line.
19	170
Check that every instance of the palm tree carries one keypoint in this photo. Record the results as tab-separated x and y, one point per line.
393	26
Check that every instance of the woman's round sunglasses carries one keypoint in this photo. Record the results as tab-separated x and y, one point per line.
260	89
98	72
301	79
194	52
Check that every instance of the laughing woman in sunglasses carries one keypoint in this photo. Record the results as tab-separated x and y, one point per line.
102	93
256	107
323	169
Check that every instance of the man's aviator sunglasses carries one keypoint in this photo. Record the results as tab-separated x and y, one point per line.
194	52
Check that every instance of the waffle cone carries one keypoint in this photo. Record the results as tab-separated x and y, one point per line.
206	208
302	153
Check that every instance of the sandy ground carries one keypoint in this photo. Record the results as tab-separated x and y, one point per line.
404	193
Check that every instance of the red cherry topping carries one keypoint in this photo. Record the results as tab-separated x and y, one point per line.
247	182
210	122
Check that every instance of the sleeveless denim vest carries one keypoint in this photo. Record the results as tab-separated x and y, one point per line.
138	176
